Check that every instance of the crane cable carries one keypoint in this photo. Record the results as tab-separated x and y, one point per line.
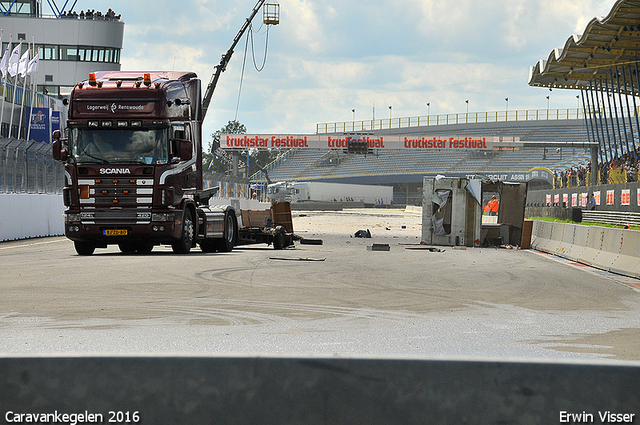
244	62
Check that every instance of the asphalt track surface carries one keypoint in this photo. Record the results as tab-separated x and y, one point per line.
339	298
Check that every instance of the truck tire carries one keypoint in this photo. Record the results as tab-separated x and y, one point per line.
144	247
183	246
229	233
208	246
127	247
280	239
84	247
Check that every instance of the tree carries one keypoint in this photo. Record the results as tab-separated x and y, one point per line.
257	157
219	165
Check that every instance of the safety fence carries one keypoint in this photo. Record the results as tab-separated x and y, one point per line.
27	166
615	218
623	197
446	119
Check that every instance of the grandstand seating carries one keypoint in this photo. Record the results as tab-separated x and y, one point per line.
312	164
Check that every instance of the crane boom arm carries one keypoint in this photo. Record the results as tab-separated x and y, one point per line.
222	66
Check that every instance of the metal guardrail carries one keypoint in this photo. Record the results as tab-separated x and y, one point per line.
446	119
612	217
27	166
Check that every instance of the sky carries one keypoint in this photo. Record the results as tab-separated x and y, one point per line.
327	58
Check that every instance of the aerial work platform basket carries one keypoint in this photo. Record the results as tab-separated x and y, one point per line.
271	14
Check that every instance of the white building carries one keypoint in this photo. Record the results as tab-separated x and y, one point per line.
70	46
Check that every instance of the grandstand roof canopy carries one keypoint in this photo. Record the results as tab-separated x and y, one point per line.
607	42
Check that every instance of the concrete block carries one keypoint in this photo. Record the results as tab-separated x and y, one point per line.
610	250
379	247
628	261
555	237
541	236
593	245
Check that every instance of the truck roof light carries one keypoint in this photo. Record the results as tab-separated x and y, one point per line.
118	83
99	84
136	123
123	124
107	124
80	85
137	84
92	79
93	124
157	85
147	79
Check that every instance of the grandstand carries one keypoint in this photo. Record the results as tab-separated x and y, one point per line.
405	169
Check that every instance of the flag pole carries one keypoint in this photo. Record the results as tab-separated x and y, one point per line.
34	90
24	87
13	101
4	83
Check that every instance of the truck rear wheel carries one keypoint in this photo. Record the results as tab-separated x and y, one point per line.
281	240
229	233
183	246
84	247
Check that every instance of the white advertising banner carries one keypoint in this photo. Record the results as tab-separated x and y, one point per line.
316	141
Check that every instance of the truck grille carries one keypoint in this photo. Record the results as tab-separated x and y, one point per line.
116	200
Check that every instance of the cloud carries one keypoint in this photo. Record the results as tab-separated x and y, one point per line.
326	58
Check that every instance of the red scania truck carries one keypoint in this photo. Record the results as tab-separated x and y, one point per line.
133	166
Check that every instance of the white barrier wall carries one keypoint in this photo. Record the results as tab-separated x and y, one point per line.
614	250
25	215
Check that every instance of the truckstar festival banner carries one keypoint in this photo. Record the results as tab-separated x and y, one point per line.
248	141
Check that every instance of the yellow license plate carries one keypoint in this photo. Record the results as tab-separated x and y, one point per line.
115	232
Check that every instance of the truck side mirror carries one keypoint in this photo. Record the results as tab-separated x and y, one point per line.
186	150
57	152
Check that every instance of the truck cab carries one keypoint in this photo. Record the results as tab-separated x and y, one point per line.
133	165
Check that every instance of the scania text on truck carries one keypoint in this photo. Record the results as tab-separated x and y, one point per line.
133	166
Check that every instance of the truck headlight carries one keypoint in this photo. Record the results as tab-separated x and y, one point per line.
73	217
162	217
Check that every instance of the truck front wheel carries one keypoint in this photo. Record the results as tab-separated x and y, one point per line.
84	247
183	246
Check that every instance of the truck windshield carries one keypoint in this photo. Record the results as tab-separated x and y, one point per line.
88	146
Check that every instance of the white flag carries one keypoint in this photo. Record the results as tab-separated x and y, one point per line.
22	65
13	60
33	64
5	61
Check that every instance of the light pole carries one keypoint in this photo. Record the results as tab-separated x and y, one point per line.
354	114
578	109
467	116
428	108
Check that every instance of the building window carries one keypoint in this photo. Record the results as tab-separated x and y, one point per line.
48	78
69	53
77	53
49	52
